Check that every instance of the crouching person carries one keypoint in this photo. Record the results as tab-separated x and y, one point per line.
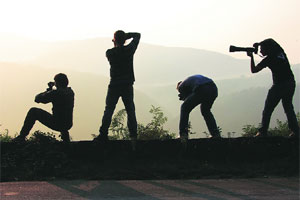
61	119
197	90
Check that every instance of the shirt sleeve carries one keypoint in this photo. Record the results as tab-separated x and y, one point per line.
264	63
184	88
108	53
45	97
135	41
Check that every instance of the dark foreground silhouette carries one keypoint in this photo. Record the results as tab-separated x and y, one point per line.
61	119
122	78
203	158
283	88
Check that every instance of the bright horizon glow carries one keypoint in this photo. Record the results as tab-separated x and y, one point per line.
211	25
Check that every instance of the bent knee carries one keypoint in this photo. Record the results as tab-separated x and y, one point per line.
206	112
33	110
186	107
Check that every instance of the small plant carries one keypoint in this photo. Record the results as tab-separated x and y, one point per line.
42	137
4	137
281	129
153	130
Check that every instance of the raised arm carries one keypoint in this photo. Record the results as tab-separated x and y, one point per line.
44	97
254	69
136	37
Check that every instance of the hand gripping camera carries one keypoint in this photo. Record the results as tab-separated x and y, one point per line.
50	86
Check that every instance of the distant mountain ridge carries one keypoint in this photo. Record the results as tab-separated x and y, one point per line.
153	63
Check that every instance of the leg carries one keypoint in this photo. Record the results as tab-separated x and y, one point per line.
271	102
210	93
65	136
287	103
40	115
111	101
187	106
209	118
127	98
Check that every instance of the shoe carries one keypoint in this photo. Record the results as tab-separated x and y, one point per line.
65	136
184	138
293	135
101	138
19	139
260	134
218	136
184	141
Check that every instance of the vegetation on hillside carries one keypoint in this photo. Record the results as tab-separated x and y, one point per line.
281	129
154	130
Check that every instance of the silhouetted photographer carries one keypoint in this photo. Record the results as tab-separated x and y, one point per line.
61	119
283	87
196	90
120	58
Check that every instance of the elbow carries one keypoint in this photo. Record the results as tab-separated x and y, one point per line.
138	35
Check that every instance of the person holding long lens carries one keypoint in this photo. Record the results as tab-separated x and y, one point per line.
283	87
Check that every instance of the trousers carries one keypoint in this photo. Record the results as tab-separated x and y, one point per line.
112	97
204	96
283	92
37	114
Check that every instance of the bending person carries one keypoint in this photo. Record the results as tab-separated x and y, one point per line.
196	90
62	99
283	87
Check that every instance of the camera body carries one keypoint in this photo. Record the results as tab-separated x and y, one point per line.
50	86
182	96
253	49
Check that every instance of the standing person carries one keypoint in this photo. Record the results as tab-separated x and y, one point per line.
120	58
283	87
195	90
62	99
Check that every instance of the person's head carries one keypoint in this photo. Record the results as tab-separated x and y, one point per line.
178	84
119	38
61	80
270	47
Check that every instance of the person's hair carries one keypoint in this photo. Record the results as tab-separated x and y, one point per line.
272	46
61	79
120	37
178	84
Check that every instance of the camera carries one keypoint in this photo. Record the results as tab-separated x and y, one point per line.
253	49
50	86
182	96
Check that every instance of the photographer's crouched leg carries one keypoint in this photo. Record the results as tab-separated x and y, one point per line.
35	114
65	136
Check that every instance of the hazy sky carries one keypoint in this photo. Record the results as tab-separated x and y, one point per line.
211	25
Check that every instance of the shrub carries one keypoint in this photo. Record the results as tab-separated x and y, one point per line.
281	129
42	137
151	131
4	137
